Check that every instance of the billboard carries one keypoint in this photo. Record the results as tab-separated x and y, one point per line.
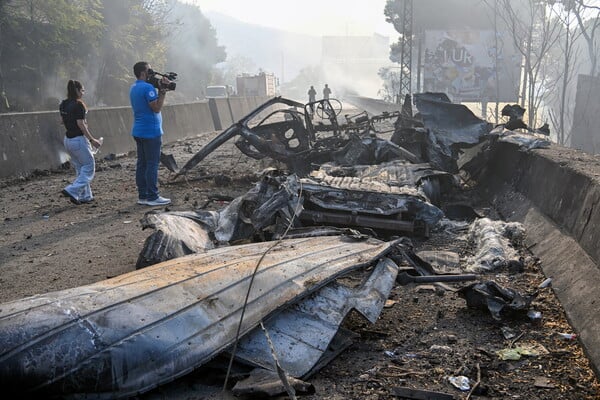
462	64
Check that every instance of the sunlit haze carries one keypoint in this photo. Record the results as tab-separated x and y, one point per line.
316	17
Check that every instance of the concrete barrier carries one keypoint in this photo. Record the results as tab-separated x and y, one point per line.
240	107
114	125
186	120
34	141
555	193
30	141
225	113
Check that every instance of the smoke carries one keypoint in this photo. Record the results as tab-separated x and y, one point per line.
351	63
193	51
346	63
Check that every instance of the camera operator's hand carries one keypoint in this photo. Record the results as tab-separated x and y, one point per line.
95	142
164	84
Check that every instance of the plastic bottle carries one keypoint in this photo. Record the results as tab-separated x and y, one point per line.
96	149
567	336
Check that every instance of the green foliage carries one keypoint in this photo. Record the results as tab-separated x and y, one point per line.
39	39
134	32
393	13
192	50
45	43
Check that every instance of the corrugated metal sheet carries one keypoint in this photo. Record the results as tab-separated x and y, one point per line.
131	333
302	333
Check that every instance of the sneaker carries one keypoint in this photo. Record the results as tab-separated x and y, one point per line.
142	202
71	197
159	201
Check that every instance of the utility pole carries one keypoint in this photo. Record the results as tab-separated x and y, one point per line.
406	44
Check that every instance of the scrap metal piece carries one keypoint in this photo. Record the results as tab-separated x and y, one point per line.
369	151
300	143
442	262
405	278
498	300
515	113
450	123
354	197
380	197
266	383
395	176
239	128
131	333
301	334
177	234
418	394
451	126
337	218
266	210
169	162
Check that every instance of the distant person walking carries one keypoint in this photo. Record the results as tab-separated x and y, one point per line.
78	141
326	92
312	97
147	131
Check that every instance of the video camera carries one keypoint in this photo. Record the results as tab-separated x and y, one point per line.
154	80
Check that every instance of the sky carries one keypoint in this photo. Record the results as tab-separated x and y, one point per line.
315	17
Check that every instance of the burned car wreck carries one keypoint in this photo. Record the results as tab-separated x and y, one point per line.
260	281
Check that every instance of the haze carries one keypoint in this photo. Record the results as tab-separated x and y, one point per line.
311	17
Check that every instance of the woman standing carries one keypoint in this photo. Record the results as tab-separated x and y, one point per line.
77	142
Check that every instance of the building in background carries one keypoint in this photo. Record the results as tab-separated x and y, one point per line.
262	84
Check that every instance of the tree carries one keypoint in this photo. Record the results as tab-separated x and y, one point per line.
564	71
391	84
135	30
588	29
192	50
534	34
39	41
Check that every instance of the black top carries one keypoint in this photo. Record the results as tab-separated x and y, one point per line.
71	111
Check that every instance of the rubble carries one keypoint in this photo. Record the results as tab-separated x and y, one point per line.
492	240
499	301
131	333
269	279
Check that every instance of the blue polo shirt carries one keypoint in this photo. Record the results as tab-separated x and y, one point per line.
146	123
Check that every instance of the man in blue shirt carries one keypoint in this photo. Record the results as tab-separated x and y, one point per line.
147	132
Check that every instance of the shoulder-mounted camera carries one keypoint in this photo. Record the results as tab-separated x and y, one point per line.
154	78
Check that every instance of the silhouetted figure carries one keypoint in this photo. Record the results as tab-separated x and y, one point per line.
326	92
312	97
